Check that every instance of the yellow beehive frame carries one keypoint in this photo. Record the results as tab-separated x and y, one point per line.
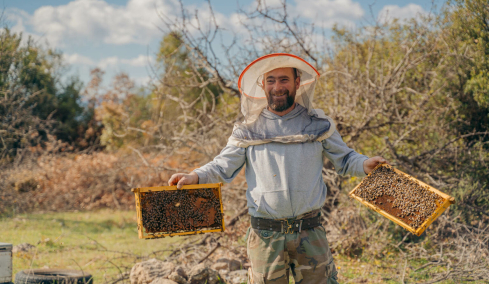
446	203
138	191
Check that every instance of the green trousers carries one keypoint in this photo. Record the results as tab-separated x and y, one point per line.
306	255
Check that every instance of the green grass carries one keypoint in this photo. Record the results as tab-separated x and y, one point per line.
102	243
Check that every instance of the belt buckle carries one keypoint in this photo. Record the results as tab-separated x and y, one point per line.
288	228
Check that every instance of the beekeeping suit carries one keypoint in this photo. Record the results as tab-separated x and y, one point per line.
282	155
283	158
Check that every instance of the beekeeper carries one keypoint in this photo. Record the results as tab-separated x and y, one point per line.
281	142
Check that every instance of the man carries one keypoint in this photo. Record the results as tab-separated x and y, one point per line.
281	142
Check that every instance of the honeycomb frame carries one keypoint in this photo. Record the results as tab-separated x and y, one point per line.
142	234
447	201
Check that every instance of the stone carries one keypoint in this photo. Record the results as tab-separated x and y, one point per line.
220	266
231	264
200	274
223	272
237	277
145	272
197	273
213	277
24	247
177	278
160	280
180	271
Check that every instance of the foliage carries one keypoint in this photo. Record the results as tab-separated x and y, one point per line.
469	25
396	90
119	110
184	102
184	92
36	108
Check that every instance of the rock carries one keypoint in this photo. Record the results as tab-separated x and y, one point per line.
180	271
237	277
223	272
198	272
201	274
25	247
214	277
177	278
160	280
220	266
145	272
231	264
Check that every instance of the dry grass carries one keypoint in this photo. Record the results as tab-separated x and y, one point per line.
84	182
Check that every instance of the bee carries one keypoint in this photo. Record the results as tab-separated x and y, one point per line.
415	202
167	212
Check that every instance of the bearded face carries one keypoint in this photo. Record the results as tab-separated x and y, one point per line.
281	100
280	87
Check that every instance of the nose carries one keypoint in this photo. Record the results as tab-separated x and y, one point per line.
277	88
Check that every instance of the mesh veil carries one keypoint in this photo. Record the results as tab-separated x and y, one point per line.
255	129
253	98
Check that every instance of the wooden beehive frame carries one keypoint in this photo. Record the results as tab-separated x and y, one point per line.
447	200
143	235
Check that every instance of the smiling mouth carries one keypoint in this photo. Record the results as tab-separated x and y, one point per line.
279	95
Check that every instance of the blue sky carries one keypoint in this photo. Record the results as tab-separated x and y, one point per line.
123	36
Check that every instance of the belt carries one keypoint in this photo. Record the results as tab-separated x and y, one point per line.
285	226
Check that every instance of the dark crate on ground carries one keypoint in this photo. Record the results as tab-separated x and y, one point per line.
167	211
403	199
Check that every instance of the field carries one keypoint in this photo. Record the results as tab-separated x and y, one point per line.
104	243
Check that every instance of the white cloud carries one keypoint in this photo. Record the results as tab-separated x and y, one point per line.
142	81
237	22
78	59
80	21
390	12
269	4
323	13
200	20
326	13
112	61
17	20
141	60
108	61
96	21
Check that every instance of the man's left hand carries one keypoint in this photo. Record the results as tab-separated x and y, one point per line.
370	164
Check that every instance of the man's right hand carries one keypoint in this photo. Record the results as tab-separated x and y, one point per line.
181	179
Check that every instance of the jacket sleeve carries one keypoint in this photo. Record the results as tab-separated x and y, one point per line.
345	160
225	166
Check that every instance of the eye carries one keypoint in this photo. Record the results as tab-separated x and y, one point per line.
270	81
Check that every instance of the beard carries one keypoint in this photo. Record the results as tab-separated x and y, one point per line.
280	101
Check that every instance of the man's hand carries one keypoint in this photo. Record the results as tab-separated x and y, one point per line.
183	179
370	164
